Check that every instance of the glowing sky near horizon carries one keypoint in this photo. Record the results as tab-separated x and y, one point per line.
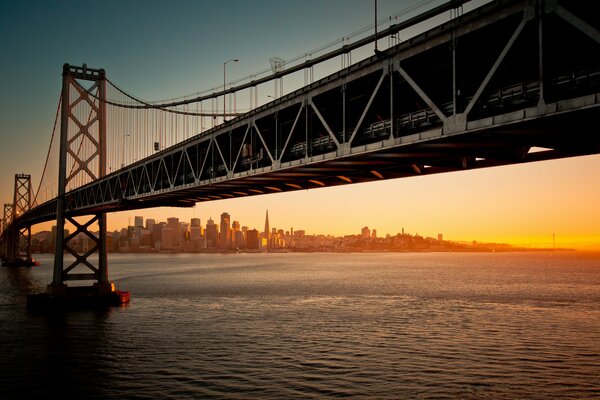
157	51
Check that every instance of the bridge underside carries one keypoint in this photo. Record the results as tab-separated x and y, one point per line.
518	143
522	142
511	82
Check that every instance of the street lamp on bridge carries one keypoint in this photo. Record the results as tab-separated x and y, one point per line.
123	150
224	74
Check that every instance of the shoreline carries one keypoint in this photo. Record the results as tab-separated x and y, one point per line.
364	251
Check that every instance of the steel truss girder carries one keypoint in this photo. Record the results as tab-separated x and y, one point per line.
472	126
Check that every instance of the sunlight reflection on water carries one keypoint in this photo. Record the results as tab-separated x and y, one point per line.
317	325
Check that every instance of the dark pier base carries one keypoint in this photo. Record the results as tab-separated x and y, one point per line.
20	262
76	298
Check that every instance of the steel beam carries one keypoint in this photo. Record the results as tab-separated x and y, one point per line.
578	23
494	68
90	195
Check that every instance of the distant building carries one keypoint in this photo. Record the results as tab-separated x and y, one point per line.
365	233
374	234
168	236
252	239
138	222
195	222
150	222
245	235
239	240
266	232
225	236
195	233
157	234
114	242
440	237
184	232
211	234
173	224
146	238
235	228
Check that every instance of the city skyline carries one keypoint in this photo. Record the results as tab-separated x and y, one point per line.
227	234
518	204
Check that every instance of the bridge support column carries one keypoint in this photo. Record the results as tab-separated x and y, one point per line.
17	251
22	204
82	245
6	237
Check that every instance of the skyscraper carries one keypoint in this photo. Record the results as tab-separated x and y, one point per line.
252	239
211	234
195	231
150	223
138	221
365	233
235	228
173	225
225	239
267	231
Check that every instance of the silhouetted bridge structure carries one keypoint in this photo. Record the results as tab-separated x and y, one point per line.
509	82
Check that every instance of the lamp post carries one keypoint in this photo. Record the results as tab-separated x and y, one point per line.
224	64
123	151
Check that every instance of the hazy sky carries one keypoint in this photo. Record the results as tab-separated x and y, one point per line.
158	49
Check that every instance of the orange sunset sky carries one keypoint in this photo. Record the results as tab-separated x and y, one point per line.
168	53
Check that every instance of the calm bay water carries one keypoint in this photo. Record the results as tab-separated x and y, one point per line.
282	326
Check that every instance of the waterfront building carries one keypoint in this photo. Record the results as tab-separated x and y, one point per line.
266	232
173	224
150	222
211	234
168	238
239	240
225	236
252	239
365	233
157	234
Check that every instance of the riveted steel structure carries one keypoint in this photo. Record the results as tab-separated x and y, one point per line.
16	239
7	215
4	233
82	126
21	237
513	81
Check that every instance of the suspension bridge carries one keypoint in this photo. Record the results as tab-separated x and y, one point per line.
512	81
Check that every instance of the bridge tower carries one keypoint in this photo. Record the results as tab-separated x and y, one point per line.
16	249
21	237
83	120
6	220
